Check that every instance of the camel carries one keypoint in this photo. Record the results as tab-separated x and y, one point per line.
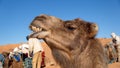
111	53
72	42
11	63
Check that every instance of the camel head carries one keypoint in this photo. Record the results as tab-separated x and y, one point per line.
58	32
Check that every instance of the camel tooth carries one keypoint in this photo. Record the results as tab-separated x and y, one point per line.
37	29
34	28
40	29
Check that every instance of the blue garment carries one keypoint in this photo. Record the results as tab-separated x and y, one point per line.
17	57
2	58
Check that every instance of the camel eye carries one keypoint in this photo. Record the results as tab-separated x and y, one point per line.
71	28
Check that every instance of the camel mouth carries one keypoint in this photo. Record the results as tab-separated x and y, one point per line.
39	32
37	29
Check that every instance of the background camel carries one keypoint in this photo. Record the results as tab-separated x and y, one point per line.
11	63
72	42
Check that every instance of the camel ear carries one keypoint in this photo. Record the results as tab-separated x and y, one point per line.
93	30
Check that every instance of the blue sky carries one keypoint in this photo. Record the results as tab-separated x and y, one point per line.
16	15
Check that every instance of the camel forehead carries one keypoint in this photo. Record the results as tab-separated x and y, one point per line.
47	17
52	19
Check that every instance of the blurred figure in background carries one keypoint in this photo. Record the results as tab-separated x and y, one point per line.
23	49
20	52
36	49
116	43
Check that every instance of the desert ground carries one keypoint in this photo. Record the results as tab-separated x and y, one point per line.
10	47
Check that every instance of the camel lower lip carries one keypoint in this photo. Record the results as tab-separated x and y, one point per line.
40	34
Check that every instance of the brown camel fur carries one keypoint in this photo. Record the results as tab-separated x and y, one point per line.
11	63
72	42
